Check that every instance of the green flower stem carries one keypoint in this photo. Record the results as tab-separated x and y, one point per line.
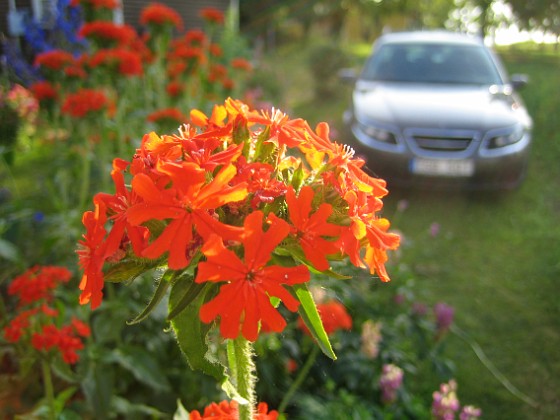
243	368
304	371
48	386
85	176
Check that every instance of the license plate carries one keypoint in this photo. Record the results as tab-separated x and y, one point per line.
442	167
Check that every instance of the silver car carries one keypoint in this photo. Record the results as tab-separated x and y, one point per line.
438	109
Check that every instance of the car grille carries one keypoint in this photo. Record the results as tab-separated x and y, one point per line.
442	143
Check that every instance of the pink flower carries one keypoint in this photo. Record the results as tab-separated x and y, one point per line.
390	382
444	316
470	412
445	403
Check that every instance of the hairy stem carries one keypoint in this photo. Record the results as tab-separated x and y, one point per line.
244	374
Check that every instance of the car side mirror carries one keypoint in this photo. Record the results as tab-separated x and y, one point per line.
348	75
519	81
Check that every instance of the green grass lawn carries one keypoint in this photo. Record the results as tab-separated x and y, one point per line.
497	256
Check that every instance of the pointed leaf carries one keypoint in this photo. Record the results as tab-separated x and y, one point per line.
143	366
185	300
9	252
287	253
181	413
191	331
310	315
128	269
298	177
161	289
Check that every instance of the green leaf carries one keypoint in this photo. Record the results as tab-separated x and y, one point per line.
143	365
310	315
294	253
184	301
162	287
260	151
128	269
8	251
330	273
98	387
298	177
130	409
181	413
62	398
191	331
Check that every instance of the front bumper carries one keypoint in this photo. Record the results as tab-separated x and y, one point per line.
491	170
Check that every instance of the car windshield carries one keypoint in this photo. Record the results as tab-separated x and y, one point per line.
432	63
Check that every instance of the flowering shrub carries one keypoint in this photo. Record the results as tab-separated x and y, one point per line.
38	332
238	208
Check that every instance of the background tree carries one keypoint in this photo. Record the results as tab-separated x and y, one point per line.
538	14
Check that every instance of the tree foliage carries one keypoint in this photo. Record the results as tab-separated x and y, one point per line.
538	14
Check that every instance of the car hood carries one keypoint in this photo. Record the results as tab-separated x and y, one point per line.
437	106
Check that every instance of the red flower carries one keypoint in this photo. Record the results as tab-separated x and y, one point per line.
54	59
84	102
366	227
160	14
63	339
228	410
43	91
167	114
215	50
108	32
195	37
93	251
188	204
262	183
17	326
117	206
212	15
37	283
81	328
126	62
241	64
96	4
174	88
333	315
310	230
244	301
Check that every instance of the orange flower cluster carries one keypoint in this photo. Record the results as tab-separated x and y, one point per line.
168	114
96	4
239	187
37	283
194	54
34	320
65	339
43	91
228	410
84	102
212	15
160	14
108	32
125	61
54	59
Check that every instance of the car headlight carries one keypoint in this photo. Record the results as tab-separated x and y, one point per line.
378	133
511	137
